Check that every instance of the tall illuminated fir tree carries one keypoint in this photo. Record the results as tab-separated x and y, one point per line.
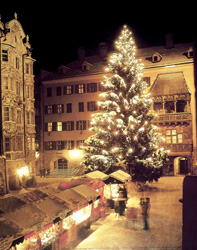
123	133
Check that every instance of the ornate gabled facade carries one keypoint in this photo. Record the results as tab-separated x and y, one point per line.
70	96
17	101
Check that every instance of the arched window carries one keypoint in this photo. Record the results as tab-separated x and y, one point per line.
62	164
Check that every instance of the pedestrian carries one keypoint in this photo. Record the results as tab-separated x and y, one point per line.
145	204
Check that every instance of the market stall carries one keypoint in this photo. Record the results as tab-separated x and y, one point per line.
97	175
9	231
115	190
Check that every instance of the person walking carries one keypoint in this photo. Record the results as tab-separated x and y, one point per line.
145	205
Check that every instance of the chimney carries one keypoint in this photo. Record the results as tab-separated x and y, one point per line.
102	50
169	41
81	53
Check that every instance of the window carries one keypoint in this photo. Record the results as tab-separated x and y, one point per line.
17	63
18	88
81	125
62	164
28	118
49	126
80	88
27	68
49	109
69	145
18	116
59	126
6	114
59	91
19	143
49	145
92	87
49	92
59	108
68	126
180	138
80	143
59	145
69	107
5	55
5	83
81	107
172	137
68	90
92	106
7	144
147	80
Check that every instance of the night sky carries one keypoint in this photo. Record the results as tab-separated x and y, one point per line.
56	31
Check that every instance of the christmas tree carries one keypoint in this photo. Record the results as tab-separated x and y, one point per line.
123	132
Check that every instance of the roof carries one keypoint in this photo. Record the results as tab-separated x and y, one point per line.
177	54
52	208
26	217
87	192
97	174
163	84
120	175
72	198
10	203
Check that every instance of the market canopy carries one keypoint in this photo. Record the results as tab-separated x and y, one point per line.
72	198
27	217
97	174
118	177
87	192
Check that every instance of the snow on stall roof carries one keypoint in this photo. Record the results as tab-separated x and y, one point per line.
32	196
97	174
87	192
26	216
10	203
72	198
52	207
120	175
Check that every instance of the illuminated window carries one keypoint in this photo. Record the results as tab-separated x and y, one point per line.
80	88
69	145
172	137
49	126
59	108
68	90
49	109
59	126
180	138
59	145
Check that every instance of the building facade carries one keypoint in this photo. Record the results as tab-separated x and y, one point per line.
17	102
70	97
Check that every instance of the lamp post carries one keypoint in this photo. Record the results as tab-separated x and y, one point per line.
3	32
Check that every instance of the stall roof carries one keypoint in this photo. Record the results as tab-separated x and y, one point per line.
87	192
97	174
72	198
32	196
26	217
120	175
49	190
10	203
52	208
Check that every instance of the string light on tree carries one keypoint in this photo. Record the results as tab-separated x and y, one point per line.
123	128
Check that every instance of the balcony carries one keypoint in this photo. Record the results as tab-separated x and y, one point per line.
173	118
179	147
